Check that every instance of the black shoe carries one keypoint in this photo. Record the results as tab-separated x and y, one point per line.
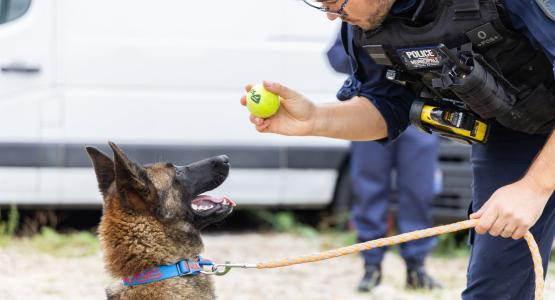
417	278
372	278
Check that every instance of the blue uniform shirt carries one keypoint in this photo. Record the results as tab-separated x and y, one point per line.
393	101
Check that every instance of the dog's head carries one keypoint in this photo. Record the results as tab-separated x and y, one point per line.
163	190
160	205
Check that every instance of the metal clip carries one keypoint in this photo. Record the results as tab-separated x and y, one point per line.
222	269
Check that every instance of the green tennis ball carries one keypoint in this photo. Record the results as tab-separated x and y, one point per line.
261	102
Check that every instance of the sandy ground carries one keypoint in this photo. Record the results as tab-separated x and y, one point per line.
27	274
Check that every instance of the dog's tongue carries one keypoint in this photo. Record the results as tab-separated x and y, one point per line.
203	198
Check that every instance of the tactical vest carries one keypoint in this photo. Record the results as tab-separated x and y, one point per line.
522	76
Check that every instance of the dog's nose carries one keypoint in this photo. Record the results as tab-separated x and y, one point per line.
224	158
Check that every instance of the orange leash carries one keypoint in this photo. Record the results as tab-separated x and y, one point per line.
402	238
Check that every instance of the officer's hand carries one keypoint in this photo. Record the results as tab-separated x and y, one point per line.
511	211
296	115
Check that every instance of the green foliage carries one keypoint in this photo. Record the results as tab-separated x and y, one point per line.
8	228
334	239
47	240
75	244
13	220
284	222
449	246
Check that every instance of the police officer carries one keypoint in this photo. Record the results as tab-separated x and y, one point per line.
514	171
414	157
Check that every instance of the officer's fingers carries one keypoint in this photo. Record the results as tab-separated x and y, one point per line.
256	121
281	90
476	215
486	221
248	87
497	227
508	231
519	233
480	212
263	126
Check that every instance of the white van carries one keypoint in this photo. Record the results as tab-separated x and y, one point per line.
163	80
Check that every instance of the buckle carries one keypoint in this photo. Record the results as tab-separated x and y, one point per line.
183	268
189	267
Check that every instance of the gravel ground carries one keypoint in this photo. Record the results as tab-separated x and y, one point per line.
27	274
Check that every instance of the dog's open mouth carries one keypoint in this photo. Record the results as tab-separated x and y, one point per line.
209	209
205	203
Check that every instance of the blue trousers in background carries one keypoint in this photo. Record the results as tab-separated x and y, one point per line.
414	157
502	268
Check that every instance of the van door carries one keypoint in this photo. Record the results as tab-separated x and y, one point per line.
156	76
25	85
167	74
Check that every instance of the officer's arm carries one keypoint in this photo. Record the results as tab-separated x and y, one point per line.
513	209
356	119
541	175
536	22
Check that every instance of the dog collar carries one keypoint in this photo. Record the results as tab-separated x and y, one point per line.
186	267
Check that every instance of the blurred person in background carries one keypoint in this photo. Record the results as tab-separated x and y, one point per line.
413	156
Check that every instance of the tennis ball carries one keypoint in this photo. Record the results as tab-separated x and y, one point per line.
261	102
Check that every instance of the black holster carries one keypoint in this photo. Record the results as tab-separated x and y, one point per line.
489	95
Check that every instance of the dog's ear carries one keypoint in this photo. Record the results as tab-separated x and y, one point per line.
104	169
131	179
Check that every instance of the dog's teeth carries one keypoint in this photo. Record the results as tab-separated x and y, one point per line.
202	207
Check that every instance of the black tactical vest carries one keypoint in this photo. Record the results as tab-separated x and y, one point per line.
478	27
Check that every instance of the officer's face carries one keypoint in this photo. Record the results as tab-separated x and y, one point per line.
367	14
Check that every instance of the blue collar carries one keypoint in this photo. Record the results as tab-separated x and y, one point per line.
186	267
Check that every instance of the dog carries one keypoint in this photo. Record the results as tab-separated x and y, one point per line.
152	216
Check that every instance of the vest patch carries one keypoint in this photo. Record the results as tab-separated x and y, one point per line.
419	58
484	36
378	54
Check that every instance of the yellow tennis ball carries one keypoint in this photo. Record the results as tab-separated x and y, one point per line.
261	102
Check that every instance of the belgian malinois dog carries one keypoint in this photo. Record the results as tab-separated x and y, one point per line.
152	216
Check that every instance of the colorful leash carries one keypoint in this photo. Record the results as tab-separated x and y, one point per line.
222	269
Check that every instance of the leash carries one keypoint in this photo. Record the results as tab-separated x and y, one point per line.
222	269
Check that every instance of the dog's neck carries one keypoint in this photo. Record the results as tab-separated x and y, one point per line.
133	244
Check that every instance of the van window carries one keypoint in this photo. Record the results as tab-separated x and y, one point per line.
13	9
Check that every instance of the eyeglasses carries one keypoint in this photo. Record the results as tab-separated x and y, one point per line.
321	6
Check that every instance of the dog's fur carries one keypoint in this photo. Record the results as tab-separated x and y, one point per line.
148	220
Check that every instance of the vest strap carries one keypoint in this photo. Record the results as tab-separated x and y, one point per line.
466	9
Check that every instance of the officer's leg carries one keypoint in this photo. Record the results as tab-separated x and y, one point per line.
502	268
370	173
416	162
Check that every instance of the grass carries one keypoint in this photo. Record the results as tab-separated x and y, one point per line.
452	245
284	222
447	246
47	240
75	244
8	227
